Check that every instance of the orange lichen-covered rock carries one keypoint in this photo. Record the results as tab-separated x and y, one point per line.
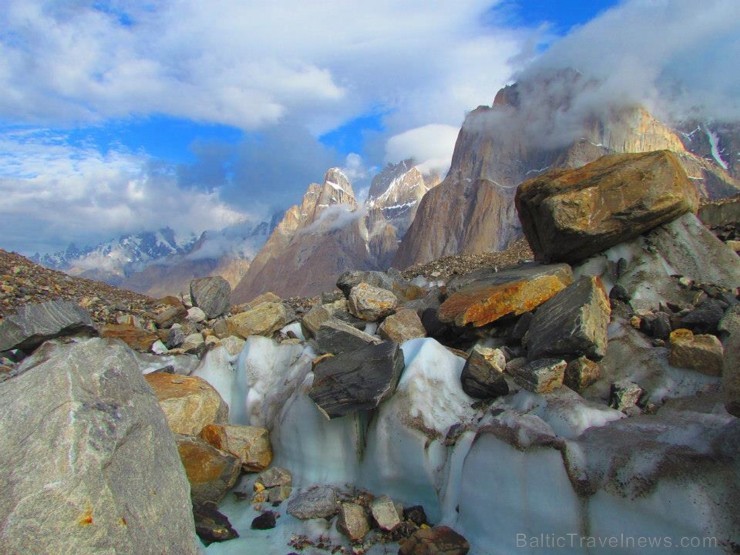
136	338
251	444
189	403
499	294
210	471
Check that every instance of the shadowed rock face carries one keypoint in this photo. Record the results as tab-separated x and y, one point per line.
34	324
569	215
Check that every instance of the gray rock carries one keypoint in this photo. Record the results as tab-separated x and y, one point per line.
87	462
573	322
385	513
315	502
35	323
482	376
539	376
357	380
371	303
352	521
196	314
580	373
274	477
624	395
175	336
211	294
704	318
657	324
729	329
334	336
352	278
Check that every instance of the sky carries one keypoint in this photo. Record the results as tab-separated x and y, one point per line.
121	116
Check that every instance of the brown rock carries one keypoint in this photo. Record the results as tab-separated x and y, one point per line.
352	521
211	472
251	444
729	327
499	294
136	338
405	324
541	376
371	303
580	373
188	403
569	215
703	353
439	540
385	513
170	315
264	319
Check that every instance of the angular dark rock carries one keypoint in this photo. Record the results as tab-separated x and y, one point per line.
87	461
352	278
415	514
334	336
265	521
573	322
580	373
570	214
211	294
439	540
35	323
357	380
539	376
492	295
624	395
482	376
704	318
656	325
315	502
729	329
211	525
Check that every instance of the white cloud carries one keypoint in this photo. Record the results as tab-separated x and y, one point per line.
432	145
54	194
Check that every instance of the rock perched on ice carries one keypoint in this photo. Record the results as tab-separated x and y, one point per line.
251	444
483	374
580	373
371	303
136	338
264	319
212	294
488	295
357	380
571	214
625	395
35	323
405	324
541	376
573	322
352	521
87	462
188	403
385	514
334	336
703	353
729	327
210	471
265	521
705	317
656	324
315	502
212	526
440	540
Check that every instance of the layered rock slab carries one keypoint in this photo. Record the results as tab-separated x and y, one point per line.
492	295
211	294
357	380
569	215
87	461
35	323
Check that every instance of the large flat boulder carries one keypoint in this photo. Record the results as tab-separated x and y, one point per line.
35	323
572	323
493	295
87	461
571	214
264	319
357	380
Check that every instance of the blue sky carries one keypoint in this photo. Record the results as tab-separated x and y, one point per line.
121	116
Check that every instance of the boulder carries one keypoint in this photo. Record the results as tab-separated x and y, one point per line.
493	295
572	323
405	324
570	214
624	395
312	320
352	521
371	303
264	319
440	540
211	294
334	336
33	324
136	338
193	343
357	380
196	315
703	353
729	328
580	373
210	471
170	315
275	477
350	279
211	525
540	376
482	376
385	514
87	461
265	521
189	403
315	502
251	444
705	317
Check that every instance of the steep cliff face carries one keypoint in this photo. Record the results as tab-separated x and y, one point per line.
531	127
314	243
